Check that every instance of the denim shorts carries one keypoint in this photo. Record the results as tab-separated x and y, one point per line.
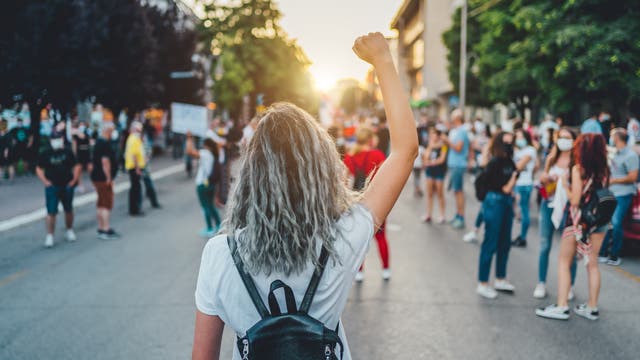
456	179
56	194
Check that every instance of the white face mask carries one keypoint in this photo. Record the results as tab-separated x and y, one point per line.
565	144
57	144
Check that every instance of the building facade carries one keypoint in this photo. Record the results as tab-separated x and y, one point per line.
421	53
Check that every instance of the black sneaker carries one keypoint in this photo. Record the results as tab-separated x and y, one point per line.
519	242
112	234
614	261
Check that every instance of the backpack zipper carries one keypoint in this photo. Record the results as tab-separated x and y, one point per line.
327	352
245	349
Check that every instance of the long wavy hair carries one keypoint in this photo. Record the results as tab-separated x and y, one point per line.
292	189
590	152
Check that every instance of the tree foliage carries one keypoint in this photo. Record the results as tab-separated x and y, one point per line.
557	54
119	52
256	55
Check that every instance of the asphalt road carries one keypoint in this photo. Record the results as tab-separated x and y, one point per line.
133	298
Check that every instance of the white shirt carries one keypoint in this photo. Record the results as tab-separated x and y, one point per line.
205	166
526	175
543	131
220	290
247	134
220	141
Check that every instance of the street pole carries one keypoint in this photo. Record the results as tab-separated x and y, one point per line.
463	56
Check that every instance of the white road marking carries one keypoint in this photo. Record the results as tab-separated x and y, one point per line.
82	200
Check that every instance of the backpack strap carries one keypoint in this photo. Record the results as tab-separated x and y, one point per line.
315	280
246	279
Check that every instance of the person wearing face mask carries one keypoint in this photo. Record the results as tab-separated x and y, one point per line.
59	171
497	210
82	149
556	166
624	174
605	123
525	158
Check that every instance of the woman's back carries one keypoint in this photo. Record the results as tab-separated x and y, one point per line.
220	291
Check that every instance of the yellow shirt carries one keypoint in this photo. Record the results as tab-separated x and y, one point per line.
134	153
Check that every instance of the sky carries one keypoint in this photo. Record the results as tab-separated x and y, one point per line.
326	29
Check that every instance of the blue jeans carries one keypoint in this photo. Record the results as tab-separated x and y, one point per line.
479	219
546	240
524	193
615	236
206	195
497	210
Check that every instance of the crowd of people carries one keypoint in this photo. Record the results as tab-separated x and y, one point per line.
559	167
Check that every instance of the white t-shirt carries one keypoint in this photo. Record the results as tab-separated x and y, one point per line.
247	134
543	131
220	290
205	166
526	175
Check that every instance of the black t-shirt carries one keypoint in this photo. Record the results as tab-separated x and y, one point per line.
383	140
5	143
101	150
423	136
57	165
498	173
82	143
20	136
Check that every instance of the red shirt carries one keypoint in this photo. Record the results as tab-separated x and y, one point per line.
374	159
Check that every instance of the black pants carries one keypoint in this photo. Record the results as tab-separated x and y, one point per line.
150	189
135	192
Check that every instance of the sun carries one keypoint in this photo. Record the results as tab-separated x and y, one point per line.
323	80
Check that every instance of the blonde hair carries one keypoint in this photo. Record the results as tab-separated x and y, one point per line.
290	194
364	135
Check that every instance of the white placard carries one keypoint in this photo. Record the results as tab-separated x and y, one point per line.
186	117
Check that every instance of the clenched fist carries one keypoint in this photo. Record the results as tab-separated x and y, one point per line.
372	48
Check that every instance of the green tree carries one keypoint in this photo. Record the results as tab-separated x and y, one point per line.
257	55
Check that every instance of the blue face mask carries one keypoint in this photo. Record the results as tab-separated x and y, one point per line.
612	142
521	143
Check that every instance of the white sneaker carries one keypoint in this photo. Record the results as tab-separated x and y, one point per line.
471	236
503	285
540	292
554	312
587	312
603	259
359	276
486	292
48	241
70	235
386	274
572	295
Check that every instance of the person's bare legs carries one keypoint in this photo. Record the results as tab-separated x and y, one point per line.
51	224
565	258
430	187
103	219
68	220
440	193
593	269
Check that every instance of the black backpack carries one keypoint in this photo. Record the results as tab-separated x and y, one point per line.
598	208
481	185
360	177
293	335
216	172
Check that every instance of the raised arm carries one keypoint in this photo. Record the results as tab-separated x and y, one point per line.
386	186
